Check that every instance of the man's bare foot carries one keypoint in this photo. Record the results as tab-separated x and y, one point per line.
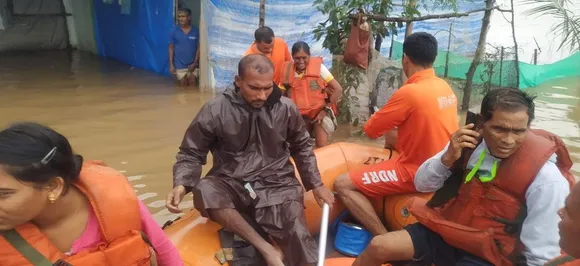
273	257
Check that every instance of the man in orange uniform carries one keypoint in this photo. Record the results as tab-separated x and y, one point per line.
424	111
275	48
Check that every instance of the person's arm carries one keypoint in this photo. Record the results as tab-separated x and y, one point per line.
540	228
301	149
167	254
432	174
171	50
391	138
391	115
335	87
192	155
196	60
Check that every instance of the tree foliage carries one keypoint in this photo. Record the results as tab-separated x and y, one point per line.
335	29
494	66
567	24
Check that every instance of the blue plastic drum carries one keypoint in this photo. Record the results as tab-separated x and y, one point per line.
350	239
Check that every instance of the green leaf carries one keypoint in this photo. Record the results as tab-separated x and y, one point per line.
567	25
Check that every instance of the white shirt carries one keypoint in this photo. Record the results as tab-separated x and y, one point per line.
544	197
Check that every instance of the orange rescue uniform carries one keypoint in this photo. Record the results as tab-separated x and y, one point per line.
278	56
124	243
425	111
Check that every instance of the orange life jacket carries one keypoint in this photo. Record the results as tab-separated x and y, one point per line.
116	207
563	260
485	219
308	92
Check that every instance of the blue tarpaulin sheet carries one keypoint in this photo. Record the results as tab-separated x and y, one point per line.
134	31
231	25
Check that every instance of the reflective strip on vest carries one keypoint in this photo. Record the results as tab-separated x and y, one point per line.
476	168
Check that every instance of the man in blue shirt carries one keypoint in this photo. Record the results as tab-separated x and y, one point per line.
184	49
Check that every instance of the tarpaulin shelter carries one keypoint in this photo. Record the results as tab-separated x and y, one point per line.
136	32
131	31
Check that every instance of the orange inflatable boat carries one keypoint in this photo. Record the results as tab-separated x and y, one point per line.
197	239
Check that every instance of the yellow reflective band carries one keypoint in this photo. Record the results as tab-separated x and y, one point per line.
473	171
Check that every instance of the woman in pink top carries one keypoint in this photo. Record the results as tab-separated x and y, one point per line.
48	212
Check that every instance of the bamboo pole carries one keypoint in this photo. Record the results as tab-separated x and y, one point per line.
262	13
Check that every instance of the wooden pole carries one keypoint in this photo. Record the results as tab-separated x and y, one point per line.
517	59
65	17
478	55
392	44
448	50
262	13
408	31
377	17
175	7
501	65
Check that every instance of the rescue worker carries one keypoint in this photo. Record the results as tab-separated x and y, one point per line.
252	131
499	187
314	90
57	210
424	113
569	231
275	48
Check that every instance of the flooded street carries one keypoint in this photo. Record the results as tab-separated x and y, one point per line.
134	120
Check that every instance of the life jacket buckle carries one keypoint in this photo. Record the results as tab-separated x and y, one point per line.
510	227
61	263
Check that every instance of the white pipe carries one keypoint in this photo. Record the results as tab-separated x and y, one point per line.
323	234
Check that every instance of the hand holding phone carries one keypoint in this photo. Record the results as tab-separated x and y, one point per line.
465	137
472	118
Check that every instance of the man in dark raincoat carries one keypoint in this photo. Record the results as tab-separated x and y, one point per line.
251	131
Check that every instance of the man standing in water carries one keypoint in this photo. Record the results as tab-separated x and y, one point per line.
275	48
184	49
251	131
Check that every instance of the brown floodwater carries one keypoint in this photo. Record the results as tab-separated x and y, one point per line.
134	120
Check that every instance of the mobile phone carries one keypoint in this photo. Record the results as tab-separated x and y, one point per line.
472	118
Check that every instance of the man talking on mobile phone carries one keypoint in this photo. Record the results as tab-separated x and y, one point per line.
498	192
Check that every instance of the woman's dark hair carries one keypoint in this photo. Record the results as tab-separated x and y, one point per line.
35	154
507	99
300	45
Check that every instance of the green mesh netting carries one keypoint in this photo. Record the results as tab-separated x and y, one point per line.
530	75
